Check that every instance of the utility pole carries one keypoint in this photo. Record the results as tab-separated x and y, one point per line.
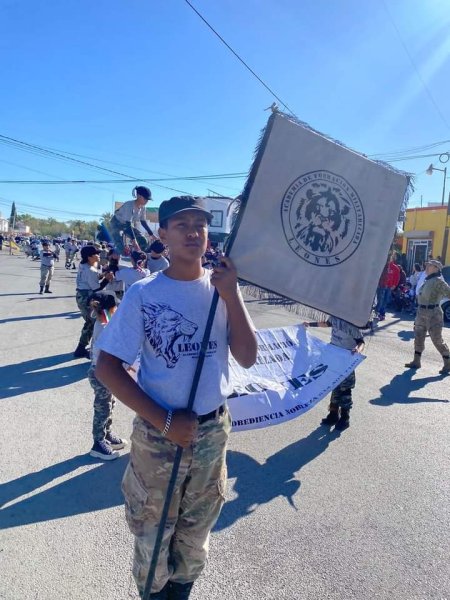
446	233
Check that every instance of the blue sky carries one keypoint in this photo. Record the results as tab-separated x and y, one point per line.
146	86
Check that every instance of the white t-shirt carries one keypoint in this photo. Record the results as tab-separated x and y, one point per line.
130	213
156	264
129	275
164	319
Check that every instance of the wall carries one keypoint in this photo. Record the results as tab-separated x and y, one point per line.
428	219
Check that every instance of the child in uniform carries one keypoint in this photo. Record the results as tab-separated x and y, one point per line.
348	336
106	443
47	268
127	216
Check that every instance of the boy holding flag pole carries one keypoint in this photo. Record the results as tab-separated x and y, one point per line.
164	318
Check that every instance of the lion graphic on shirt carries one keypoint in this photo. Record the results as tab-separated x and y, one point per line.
163	327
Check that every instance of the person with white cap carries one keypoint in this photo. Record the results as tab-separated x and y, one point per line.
429	318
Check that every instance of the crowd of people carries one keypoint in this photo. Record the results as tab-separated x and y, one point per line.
133	314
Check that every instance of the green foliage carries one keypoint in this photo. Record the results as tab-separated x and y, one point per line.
13	216
83	230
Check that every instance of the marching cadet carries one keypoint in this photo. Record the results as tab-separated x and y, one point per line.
429	318
47	268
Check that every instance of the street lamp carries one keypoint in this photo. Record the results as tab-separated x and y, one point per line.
443	158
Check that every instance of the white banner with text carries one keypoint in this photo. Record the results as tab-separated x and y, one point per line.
293	372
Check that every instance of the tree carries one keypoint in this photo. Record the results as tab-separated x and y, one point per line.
13	217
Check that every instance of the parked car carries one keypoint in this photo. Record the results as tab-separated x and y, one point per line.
445	303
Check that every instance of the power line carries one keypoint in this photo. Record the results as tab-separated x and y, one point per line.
88	181
407	150
240	59
35	149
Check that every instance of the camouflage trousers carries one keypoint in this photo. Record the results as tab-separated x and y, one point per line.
83	298
429	321
342	395
196	504
103	407
116	229
46	275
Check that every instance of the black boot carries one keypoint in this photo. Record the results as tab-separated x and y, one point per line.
162	595
81	352
344	420
333	416
179	591
47	291
41	289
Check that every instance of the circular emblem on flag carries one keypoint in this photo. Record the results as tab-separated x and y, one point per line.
323	218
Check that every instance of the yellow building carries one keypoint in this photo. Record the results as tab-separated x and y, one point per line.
425	234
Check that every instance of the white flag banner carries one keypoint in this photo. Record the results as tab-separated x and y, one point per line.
293	372
316	221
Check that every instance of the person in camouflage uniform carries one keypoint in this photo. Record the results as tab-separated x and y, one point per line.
162	319
429	318
106	443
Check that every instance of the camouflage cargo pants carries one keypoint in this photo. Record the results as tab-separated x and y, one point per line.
196	503
103	407
342	395
429	321
83	298
46	275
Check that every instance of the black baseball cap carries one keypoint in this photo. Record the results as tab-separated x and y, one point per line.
179	204
88	251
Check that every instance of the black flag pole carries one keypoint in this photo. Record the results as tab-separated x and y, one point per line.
200	362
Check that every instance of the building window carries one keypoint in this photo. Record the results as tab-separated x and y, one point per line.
217	220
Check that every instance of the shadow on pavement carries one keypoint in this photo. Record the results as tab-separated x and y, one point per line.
406	335
38	374
68	315
95	489
258	484
18	294
55	296
398	390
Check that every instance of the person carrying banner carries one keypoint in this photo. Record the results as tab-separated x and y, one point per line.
429	317
163	318
125	217
344	335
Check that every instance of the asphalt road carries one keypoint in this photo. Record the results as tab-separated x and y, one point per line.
310	514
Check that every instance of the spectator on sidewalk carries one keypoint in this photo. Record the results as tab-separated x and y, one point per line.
389	280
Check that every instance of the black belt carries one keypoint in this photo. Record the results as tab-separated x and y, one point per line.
428	306
214	414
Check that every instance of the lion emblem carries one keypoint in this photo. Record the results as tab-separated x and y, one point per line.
163	327
322	218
